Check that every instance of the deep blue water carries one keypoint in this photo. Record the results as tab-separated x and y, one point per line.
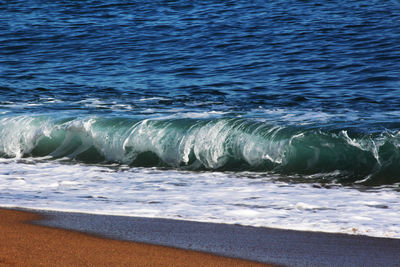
293	87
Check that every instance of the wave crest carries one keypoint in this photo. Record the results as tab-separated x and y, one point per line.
216	144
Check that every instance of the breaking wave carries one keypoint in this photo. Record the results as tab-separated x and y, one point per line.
214	144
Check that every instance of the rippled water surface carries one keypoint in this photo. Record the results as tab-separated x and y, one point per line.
246	57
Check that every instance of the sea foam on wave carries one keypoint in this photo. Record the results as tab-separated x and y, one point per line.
213	144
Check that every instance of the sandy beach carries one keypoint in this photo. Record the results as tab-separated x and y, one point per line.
52	238
24	244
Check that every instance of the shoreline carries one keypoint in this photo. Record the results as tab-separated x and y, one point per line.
25	242
257	244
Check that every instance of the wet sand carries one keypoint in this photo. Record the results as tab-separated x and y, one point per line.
120	240
25	244
261	244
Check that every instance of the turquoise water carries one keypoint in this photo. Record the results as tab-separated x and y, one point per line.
224	144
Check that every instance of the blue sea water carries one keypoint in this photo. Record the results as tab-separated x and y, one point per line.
265	94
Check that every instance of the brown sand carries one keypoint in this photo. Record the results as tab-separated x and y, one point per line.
25	244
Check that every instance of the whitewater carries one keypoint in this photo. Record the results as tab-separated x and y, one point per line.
227	144
218	170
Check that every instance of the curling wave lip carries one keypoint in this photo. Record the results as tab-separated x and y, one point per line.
225	144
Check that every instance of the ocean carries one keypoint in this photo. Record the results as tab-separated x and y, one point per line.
280	114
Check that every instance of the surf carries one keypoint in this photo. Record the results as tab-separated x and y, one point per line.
222	144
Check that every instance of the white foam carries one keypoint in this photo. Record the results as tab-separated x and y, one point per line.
302	116
152	99
208	196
